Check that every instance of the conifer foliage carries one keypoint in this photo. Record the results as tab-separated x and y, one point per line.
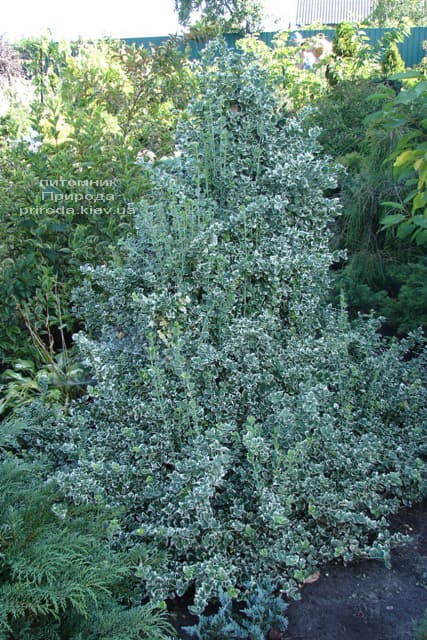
59	578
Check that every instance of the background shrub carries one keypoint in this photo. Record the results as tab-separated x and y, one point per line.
70	171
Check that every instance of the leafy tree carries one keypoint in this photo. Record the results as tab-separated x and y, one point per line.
367	122
296	87
43	60
385	271
228	15
352	54
391	13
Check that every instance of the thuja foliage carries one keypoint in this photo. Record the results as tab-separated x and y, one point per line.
59	578
247	428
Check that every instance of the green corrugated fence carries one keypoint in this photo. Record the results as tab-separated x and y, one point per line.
411	48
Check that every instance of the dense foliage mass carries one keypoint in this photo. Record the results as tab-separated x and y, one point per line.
371	120
71	165
75	141
248	429
238	430
384	222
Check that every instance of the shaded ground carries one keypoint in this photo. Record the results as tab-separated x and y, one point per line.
366	601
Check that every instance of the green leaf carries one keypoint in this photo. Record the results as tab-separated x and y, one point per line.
419	201
379	96
404	75
420	221
421	238
403	141
393	205
410	196
395	123
24	365
390	221
405	158
404	230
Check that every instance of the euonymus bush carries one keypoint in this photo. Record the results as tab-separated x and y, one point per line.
249	430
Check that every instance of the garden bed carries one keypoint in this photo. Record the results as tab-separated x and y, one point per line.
367	601
364	601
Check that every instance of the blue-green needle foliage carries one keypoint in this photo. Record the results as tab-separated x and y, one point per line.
263	612
248	429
